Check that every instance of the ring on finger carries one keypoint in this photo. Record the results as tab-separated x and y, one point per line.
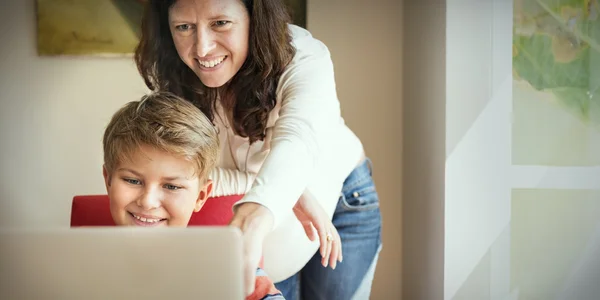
329	237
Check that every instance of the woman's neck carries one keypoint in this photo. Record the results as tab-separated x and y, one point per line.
227	101
225	97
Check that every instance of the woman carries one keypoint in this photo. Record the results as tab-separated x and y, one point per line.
269	87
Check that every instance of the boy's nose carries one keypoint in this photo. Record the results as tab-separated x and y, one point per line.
149	200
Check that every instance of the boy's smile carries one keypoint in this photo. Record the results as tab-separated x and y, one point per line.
154	188
147	220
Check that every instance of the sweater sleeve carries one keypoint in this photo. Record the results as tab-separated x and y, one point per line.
228	182
309	110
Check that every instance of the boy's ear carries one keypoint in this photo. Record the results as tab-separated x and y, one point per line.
203	195
106	177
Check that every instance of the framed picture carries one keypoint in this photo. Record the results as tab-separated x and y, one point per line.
102	27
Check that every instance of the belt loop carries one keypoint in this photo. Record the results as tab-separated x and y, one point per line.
370	165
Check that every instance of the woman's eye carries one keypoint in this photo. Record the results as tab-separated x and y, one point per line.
183	27
172	187
132	181
221	23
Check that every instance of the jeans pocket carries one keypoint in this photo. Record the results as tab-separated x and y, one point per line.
362	198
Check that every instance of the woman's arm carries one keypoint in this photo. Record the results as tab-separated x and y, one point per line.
227	182
309	110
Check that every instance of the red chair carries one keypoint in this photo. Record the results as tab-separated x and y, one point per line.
94	210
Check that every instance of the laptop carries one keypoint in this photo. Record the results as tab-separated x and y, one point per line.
121	263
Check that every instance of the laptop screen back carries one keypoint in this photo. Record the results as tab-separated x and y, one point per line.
121	263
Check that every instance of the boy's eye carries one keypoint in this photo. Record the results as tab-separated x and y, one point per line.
172	187
131	181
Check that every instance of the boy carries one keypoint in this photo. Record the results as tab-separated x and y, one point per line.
158	153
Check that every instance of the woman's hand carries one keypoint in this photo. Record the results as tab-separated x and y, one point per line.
255	221
310	213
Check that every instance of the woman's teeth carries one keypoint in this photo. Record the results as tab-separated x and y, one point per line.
212	63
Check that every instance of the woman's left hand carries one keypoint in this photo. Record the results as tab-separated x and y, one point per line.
312	216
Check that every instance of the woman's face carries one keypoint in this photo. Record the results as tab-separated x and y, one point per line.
211	37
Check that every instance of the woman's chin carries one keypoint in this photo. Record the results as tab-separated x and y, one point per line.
212	81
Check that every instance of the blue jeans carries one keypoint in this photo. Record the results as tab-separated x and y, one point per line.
358	220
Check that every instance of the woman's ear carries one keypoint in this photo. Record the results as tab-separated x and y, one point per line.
203	195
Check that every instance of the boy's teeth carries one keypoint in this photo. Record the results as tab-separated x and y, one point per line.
146	220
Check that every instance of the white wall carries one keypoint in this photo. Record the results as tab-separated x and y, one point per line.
54	111
424	136
365	43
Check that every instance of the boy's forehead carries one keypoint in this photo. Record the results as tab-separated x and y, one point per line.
157	162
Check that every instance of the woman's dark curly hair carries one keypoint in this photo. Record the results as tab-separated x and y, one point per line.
252	88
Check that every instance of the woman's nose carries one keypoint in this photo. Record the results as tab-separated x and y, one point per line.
205	43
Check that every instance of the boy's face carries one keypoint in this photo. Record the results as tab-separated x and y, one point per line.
154	188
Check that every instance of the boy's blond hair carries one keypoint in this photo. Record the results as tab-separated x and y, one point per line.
166	122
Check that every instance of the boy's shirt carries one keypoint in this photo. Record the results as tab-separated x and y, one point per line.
264	289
